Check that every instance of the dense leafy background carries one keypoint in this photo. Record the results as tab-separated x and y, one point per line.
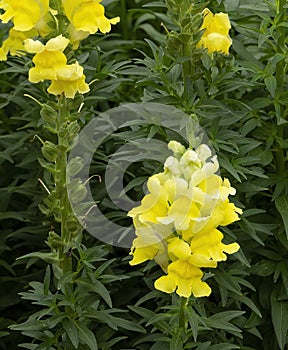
241	102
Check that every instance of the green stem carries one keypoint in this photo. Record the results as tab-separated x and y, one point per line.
280	155
281	17
186	66
182	318
61	191
124	20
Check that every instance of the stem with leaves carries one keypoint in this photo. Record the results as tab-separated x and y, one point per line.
281	67
58	120
182	318
60	184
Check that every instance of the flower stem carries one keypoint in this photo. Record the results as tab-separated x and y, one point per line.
60	182
281	17
182	318
124	20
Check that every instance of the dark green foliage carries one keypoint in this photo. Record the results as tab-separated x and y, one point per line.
240	101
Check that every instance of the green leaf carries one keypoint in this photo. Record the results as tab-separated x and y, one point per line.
126	324
282	207
279	313
47	257
263	268
4	334
204	346
245	300
226	326
271	84
64	280
71	331
28	346
177	340
110	343
148	315
224	346
46	282
98	288
225	163
193	320
86	336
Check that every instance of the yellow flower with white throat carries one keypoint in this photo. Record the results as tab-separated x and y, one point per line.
24	14
176	223
216	32
88	16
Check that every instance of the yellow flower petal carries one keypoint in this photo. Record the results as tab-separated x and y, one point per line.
165	284
75	36
69	87
200	289
57	44
33	46
181	212
24	14
216	42
216	32
211	246
15	41
143	254
218	23
201	261
178	249
3	56
88	16
187	279
231	248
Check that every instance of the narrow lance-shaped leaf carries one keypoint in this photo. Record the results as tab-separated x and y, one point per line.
282	207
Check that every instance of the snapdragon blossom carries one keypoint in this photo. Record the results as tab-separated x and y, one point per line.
176	223
216	32
32	19
88	16
24	14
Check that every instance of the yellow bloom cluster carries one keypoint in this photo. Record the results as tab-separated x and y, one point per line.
216	32
176	223
37	18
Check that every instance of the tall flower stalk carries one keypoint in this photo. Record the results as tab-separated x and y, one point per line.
197	28
49	30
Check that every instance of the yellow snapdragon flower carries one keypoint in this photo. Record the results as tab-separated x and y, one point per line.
70	80
88	16
24	14
210	245
186	278
216	32
49	59
14	44
51	64
75	36
176	223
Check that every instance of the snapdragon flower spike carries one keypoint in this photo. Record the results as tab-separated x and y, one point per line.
176	223
216	32
33	18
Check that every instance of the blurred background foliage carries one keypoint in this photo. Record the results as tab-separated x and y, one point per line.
241	102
